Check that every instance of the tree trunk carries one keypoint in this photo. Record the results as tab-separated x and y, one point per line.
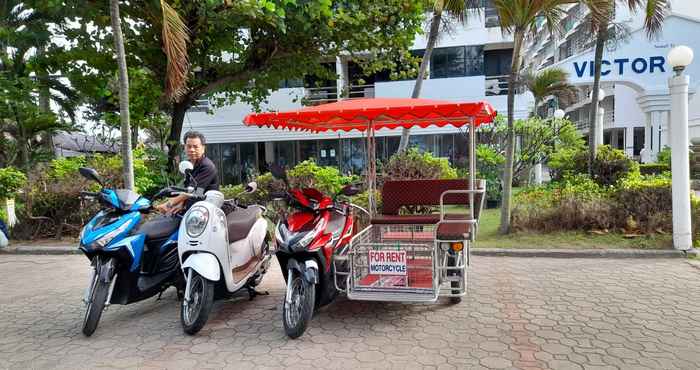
134	136
598	61
510	136
45	103
178	117
127	159
432	38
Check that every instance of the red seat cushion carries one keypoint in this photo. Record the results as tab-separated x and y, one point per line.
405	219
453	231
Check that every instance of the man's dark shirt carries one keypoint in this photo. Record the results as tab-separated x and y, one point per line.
206	175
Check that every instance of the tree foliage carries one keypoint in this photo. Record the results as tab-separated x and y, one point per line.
239	51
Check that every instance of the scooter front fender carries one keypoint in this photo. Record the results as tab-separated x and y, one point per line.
205	264
308	270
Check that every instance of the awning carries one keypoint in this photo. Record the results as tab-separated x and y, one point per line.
358	114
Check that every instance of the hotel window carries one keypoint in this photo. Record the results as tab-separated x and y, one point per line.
329	152
457	61
248	162
284	153
307	150
230	168
213	152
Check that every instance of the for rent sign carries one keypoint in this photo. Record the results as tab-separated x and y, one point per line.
387	262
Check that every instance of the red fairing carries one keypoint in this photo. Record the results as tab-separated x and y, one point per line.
321	239
300	197
298	220
347	233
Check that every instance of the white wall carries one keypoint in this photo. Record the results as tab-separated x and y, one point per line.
627	111
472	32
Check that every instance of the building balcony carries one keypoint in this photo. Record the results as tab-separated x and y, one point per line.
329	94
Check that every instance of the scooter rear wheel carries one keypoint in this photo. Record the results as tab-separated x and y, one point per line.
297	314
195	313
97	301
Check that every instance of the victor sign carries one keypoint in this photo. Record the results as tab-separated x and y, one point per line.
383	262
640	65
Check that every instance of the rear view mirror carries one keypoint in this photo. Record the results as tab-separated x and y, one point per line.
185	166
90	174
251	187
349	190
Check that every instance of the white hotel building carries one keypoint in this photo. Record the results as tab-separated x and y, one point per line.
469	64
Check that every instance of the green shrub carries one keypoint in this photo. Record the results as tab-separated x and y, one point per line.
568	161
664	156
645	201
654	168
611	165
413	165
11	181
308	174
489	167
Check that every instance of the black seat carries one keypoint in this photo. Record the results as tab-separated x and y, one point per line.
240	221
158	227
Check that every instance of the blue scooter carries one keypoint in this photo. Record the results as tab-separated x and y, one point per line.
131	259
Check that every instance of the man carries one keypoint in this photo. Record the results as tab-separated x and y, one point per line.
204	172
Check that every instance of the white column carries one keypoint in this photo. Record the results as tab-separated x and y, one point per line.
646	152
661	121
629	141
341	69
680	168
600	127
538	174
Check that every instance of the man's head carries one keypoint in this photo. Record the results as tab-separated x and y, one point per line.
194	145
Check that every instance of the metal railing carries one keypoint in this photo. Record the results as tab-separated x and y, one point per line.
329	94
496	85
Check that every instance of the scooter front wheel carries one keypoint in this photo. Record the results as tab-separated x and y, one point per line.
194	312
298	312
96	301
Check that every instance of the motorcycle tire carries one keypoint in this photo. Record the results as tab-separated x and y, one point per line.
96	305
297	317
452	261
193	318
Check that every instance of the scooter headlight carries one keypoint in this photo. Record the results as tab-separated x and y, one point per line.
196	221
107	238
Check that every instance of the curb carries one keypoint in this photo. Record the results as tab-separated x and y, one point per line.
483	252
40	250
583	253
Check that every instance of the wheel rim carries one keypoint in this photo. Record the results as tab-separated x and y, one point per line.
91	297
293	312
192	308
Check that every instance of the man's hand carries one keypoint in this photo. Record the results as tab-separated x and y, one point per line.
163	208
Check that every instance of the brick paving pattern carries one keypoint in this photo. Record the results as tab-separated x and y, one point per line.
524	313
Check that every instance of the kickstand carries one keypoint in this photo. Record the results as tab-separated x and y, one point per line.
252	293
159	295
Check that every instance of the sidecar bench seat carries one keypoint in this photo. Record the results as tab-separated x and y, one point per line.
240	221
405	193
158	227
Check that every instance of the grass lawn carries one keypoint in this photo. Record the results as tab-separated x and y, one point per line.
488	237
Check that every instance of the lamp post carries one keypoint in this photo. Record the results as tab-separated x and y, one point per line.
679	57
558	114
600	123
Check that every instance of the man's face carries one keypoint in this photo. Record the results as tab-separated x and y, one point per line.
194	149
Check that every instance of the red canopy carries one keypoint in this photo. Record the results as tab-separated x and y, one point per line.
390	113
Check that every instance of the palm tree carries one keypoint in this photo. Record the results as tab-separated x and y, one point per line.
127	157
654	14
550	82
454	8
175	37
519	17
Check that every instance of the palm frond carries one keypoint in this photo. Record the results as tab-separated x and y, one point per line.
550	82
175	39
655	13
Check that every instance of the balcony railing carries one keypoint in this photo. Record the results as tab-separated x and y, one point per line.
498	85
329	94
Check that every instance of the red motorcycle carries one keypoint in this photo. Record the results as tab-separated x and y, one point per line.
319	228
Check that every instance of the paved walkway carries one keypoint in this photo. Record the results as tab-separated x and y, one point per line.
522	313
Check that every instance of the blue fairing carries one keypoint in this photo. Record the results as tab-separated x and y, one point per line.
111	197
134	244
141	204
91	233
172	239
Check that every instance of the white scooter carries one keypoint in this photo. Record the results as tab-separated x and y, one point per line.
221	245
